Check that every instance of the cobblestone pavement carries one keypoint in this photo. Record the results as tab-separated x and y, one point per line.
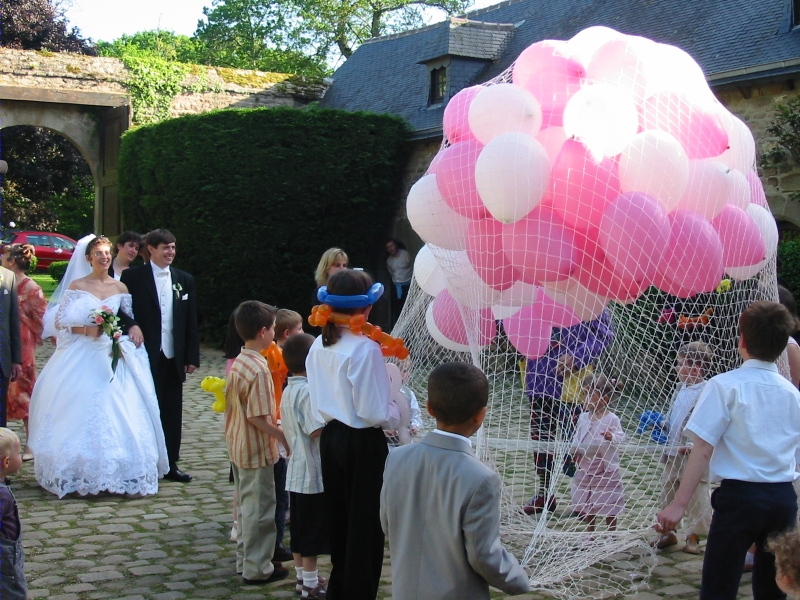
176	544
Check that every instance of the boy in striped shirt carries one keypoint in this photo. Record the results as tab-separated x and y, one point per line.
252	436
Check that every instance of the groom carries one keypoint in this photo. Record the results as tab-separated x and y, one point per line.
165	311
10	340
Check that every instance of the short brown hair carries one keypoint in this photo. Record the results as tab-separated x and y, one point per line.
295	351
128	236
786	548
286	320
765	328
252	316
100	240
457	391
157	237
597	382
697	354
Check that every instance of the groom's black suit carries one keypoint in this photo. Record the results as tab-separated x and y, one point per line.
168	374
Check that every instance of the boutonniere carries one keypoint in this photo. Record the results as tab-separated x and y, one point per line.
178	289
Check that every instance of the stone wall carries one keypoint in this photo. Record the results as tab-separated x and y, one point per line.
227	88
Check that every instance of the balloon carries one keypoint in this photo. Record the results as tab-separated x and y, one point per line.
699	131
528	333
438	336
586	305
655	164
432	218
428	273
739	195
633	226
547	72
757	195
512	174
741	240
449	321
485	252
597	274
555	312
670	69
455	175
464	283
585	43
540	246
616	62
741	152
455	121
708	189
504	108
552	139
692	263
582	185
512	299
603	117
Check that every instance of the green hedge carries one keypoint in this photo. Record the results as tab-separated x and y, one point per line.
789	257
254	196
57	269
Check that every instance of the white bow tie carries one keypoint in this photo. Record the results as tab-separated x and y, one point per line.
162	273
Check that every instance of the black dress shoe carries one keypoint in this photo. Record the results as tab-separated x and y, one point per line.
278	574
175	474
282	554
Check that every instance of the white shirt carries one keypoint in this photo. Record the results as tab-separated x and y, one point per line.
348	381
164	293
685	400
751	416
299	421
400	267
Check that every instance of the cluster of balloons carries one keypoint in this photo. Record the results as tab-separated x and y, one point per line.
604	166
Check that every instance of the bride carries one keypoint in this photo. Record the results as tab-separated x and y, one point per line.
94	428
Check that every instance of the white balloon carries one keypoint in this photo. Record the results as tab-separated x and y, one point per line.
428	273
504	108
512	175
769	233
585	43
603	116
431	217
655	163
438	336
741	152
514	298
463	282
552	138
586	304
617	63
673	70
740	190
708	189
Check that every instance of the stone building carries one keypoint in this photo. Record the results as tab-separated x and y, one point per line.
750	52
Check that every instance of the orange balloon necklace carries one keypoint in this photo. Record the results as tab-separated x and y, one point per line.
390	346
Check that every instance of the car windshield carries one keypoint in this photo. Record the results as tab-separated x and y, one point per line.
9	237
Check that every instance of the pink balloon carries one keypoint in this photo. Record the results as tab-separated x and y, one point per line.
708	189
552	311
545	70
757	195
434	164
692	263
447	317
633	231
700	132
616	62
528	332
455	175
455	121
742	244
596	273
485	252
540	246
582	185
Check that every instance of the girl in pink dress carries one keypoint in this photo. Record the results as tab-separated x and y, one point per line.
597	485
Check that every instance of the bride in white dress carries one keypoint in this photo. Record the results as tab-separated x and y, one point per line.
91	428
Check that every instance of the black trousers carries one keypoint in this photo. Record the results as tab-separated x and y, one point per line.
352	475
4	381
745	513
281	498
169	390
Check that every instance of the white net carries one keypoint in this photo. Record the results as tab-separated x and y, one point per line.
593	209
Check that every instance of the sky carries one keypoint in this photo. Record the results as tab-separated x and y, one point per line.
107	20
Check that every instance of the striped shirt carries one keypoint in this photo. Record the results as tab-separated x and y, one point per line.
249	393
304	474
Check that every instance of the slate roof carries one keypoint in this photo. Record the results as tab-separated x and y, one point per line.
732	40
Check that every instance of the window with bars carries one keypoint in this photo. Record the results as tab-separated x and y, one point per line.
439	85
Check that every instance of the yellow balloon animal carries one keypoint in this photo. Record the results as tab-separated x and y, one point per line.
215	385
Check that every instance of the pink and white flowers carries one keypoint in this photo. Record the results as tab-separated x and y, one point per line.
105	318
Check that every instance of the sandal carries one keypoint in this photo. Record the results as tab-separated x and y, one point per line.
692	545
298	588
316	593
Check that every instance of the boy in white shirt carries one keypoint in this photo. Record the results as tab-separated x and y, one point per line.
747	428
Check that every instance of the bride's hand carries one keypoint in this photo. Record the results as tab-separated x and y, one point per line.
92	331
135	333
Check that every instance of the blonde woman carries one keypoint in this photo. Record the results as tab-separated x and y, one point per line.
333	260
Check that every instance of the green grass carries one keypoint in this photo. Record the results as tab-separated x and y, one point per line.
48	284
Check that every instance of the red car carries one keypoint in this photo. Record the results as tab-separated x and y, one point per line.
49	247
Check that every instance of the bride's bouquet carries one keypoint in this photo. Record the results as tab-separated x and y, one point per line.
105	318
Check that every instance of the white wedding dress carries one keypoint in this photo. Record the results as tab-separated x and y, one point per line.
92	429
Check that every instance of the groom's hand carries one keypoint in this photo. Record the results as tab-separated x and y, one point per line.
190	369
16	371
135	333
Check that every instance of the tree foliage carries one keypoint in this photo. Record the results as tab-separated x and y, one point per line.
165	45
40	25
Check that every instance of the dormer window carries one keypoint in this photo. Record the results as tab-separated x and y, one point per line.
439	85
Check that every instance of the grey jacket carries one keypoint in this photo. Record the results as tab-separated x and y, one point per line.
10	340
440	507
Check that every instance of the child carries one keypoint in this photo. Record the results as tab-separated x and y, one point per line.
12	558
440	506
786	548
303	427
747	427
693	362
349	387
287	324
597	485
253	437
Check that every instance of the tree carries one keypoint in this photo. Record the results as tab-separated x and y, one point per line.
163	44
40	25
